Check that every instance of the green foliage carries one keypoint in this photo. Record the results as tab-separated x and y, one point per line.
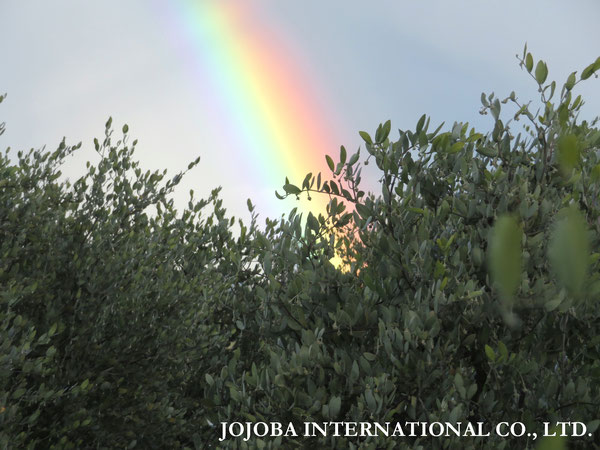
103	327
553	442
505	254
468	291
569	250
477	268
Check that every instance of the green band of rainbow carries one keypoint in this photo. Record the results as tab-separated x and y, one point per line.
282	124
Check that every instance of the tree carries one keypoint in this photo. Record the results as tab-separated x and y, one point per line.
467	292
475	280
107	300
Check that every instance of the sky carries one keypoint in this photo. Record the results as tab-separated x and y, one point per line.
261	90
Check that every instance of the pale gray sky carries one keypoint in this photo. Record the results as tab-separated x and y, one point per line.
67	65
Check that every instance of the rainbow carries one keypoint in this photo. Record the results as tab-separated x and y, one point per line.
282	122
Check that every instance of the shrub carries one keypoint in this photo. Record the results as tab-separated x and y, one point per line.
467	292
472	284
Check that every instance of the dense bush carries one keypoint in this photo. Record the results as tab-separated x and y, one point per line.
107	307
467	291
421	332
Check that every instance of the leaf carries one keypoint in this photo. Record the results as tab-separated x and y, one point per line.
505	254
458	380
312	222
342	154
371	402
570	82
369	356
490	152
366	137
330	162
484	101
334	406
267	262
495	108
385	131
35	416
568	152
345	220
489	351
553	304
18	393
529	62
541	72
588	71
291	189
593	425
306	181
503	351
455	414
471	391
557	442
569	250
595	173
334	188
363	210
420	123
354	372
456	147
